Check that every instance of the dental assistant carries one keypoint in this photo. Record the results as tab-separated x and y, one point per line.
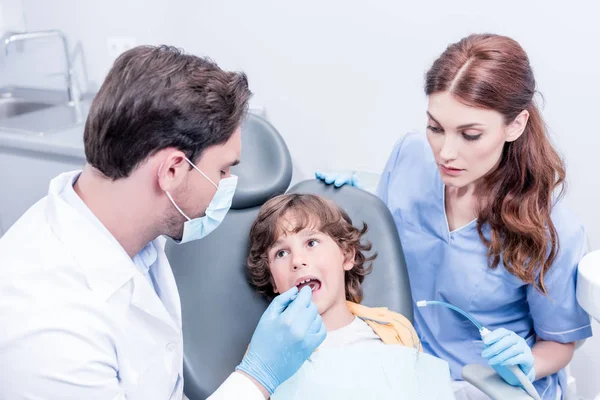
475	205
89	308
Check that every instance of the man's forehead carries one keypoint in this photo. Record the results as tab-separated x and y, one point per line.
233	147
227	154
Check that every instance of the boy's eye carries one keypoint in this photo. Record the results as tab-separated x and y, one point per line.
280	253
312	242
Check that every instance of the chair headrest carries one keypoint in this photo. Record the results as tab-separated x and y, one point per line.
220	309
265	169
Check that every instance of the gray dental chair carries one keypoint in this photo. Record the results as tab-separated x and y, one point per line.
219	308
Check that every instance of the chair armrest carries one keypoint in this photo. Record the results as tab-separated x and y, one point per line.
489	382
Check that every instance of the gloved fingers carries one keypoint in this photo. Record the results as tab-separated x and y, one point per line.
314	340
330	178
522	360
316	325
341	180
495	336
304	318
281	302
531	375
338	179
302	302
356	182
507	354
498	347
525	363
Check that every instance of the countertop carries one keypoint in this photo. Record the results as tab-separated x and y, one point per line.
57	129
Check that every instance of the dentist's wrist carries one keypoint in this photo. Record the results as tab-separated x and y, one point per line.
256	383
255	368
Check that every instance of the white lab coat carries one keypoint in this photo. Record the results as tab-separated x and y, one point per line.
78	320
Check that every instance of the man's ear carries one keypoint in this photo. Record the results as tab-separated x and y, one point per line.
172	170
515	129
349	255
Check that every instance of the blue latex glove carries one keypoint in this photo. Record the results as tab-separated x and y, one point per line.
287	334
504	347
339	179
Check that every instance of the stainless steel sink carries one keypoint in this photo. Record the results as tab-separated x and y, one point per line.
11	107
37	110
40	111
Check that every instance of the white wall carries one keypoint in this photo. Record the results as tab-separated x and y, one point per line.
342	79
11	15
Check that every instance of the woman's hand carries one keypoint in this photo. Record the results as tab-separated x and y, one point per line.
339	179
504	347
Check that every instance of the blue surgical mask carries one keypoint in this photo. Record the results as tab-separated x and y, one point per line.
197	228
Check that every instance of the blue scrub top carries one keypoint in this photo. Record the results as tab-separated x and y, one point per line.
453	267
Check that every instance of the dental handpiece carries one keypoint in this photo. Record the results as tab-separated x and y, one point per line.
510	374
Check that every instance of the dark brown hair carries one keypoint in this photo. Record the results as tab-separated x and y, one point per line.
309	211
158	97
493	72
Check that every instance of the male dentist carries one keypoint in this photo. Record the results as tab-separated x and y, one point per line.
89	308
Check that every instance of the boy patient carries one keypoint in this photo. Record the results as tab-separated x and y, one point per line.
304	240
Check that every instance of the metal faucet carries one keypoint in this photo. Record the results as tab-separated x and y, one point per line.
18	37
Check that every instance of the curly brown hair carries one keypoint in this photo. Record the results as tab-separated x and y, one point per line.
314	212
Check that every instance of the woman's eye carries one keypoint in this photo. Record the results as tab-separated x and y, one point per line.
434	129
471	137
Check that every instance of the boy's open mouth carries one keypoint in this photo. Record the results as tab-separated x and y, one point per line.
314	283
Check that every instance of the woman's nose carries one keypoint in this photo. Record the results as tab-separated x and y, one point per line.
449	149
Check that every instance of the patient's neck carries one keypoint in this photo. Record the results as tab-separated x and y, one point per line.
337	316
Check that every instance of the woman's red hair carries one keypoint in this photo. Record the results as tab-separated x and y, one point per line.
493	72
